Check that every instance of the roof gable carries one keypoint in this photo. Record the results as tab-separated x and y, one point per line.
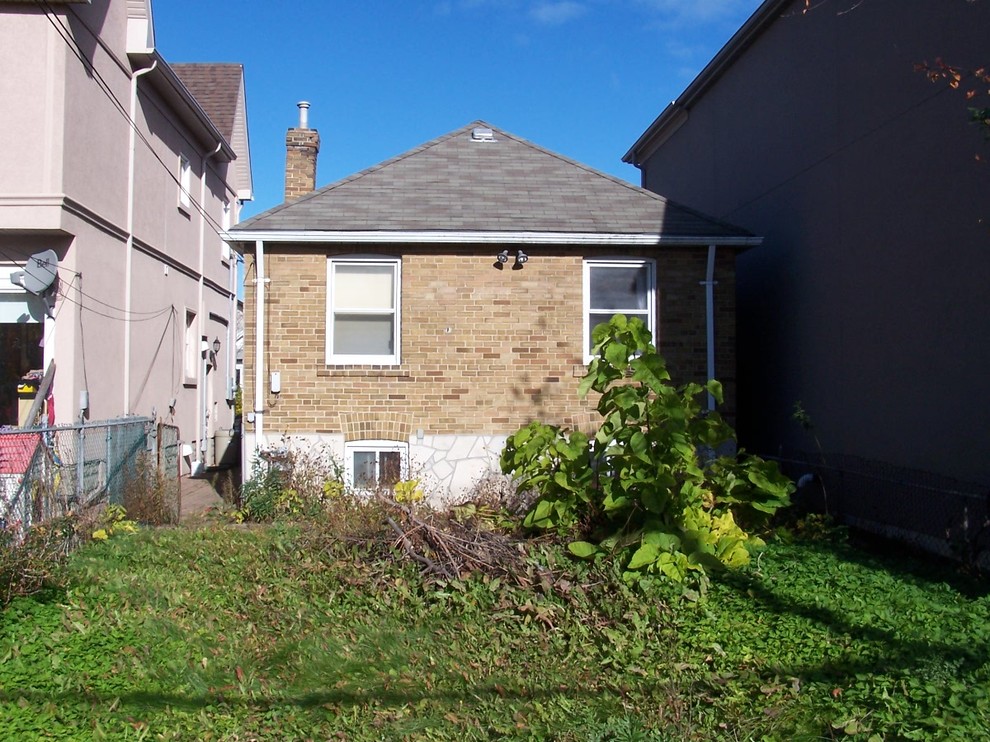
219	90
216	87
675	113
456	183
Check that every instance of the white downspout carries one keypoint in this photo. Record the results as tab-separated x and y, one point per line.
259	345
204	413
232	329
709	284
129	247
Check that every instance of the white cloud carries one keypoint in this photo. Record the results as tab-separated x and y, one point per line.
557	13
698	11
680	50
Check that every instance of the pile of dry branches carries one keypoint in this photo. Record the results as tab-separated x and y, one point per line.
449	545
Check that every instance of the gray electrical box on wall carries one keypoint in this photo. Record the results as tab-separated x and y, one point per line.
276	382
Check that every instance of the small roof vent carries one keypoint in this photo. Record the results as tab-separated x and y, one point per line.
482	134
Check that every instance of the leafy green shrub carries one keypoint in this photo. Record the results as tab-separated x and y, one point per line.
297	480
113	521
260	493
649	488
32	561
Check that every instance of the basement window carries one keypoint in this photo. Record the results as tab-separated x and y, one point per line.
375	463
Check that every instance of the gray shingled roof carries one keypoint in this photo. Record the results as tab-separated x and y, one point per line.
216	87
456	184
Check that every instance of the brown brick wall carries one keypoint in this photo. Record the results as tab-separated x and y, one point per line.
483	350
301	148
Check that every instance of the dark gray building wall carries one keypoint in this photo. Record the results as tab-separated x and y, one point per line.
869	301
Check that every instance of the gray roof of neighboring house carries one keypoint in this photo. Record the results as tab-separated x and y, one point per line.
457	184
216	87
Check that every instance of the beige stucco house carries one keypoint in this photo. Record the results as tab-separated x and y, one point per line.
411	316
818	128
128	168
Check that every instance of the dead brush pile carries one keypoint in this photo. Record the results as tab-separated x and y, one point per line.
477	537
458	542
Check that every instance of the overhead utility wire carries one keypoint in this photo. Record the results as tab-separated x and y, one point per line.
21	265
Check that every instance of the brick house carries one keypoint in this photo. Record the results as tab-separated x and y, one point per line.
416	313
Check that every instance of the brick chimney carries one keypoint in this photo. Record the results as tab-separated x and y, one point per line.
302	144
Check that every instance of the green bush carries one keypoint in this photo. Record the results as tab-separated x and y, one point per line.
650	488
297	481
260	493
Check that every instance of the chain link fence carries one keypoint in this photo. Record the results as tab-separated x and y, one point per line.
50	472
944	516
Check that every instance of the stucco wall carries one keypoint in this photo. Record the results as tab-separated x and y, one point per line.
64	185
868	301
95	134
31	115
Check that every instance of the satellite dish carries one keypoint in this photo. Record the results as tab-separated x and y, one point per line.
39	274
40	277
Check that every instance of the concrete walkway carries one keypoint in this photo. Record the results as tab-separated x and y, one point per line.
199	497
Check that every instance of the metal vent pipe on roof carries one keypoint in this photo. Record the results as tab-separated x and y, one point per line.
303	114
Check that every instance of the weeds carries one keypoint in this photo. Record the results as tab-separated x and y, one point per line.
150	496
326	626
269	633
34	560
292	480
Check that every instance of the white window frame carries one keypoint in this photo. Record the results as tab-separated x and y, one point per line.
651	298
185	183
376	447
226	222
191	354
365	360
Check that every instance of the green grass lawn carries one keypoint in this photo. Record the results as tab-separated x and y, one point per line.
231	633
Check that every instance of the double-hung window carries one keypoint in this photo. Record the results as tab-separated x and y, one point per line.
191	357
185	183
613	286
363	310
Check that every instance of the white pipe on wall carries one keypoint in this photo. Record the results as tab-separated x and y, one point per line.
710	318
231	353
129	248
259	346
201	392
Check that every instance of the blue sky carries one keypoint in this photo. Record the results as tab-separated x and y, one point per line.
581	77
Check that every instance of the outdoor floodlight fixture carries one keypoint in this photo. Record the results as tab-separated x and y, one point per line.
521	258
501	259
